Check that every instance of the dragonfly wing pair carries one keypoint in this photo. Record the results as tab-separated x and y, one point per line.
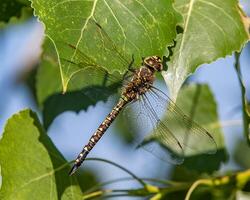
171	134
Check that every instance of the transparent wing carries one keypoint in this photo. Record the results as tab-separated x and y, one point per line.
89	77
109	45
96	84
144	120
164	130
161	142
91	80
194	138
96	49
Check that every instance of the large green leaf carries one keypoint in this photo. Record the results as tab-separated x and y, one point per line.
31	166
141	28
211	30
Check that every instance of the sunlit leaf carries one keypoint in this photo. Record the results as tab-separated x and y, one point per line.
141	28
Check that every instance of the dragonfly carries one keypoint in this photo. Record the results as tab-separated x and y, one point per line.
138	91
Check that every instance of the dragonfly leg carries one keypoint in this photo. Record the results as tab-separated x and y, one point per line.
130	68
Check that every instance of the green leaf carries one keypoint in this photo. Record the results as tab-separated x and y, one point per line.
86	88
13	11
31	166
141	28
245	109
211	30
205	163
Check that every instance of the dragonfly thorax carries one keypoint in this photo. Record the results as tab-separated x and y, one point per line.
140	83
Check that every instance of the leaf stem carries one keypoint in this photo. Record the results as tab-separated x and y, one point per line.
195	185
241	179
153	180
140	181
96	194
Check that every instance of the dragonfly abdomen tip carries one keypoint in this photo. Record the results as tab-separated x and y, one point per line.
73	169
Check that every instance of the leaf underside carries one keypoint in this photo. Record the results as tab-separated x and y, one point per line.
211	30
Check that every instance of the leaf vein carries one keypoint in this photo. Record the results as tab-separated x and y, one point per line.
138	21
82	31
66	1
222	10
214	23
191	4
119	24
146	9
37	179
186	26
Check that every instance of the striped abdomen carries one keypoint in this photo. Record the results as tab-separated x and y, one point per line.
98	134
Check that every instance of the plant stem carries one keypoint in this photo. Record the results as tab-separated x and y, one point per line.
120	167
195	185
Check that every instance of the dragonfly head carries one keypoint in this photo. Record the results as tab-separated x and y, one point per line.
153	62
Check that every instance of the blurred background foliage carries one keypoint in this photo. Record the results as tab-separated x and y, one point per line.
30	159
